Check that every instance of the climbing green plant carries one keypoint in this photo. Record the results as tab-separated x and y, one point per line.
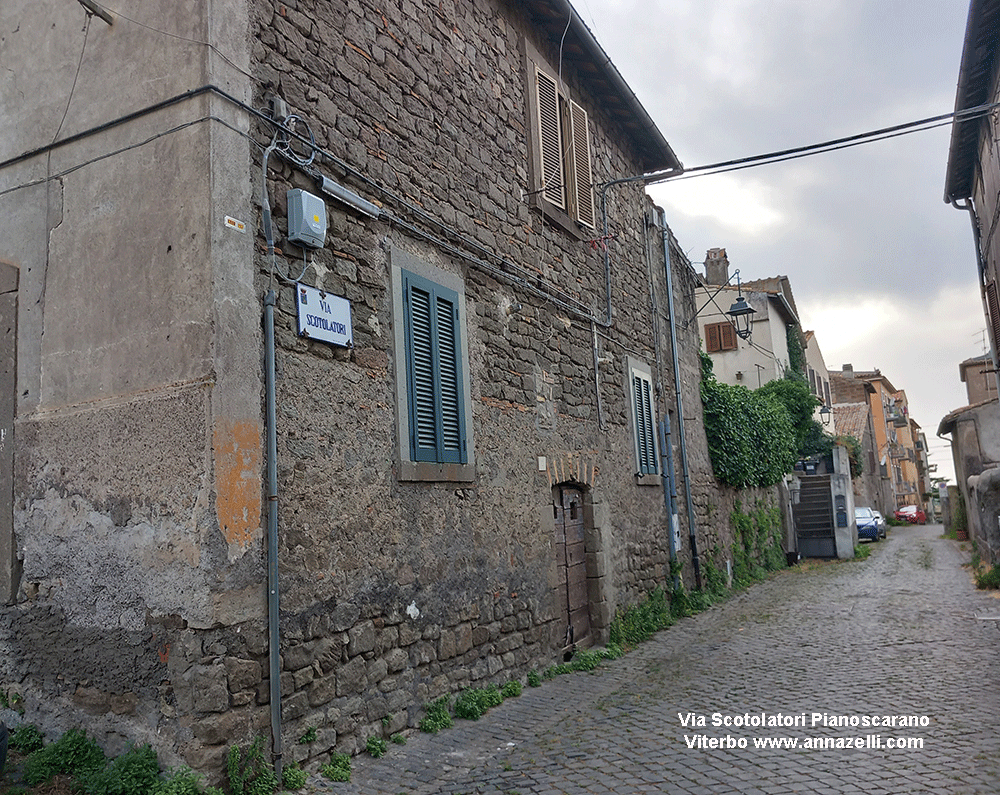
756	543
751	437
796	354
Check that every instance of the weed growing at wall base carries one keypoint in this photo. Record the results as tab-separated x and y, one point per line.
988	579
438	716
640	622
338	768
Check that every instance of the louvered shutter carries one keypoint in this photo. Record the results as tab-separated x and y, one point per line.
451	445
713	342
583	181
727	337
550	140
434	373
645	435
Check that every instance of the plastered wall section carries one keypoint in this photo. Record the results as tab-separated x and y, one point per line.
137	466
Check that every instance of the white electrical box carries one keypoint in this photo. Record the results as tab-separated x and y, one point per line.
306	219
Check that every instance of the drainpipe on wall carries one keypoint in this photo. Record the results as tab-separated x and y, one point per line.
981	270
670	494
274	635
692	529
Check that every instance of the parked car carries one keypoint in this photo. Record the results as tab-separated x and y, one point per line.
867	522
882	523
911	514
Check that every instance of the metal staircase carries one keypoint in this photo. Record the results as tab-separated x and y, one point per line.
814	521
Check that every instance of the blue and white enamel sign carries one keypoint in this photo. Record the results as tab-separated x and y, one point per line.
324	317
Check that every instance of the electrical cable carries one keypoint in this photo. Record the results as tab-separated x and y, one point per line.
857	139
212	47
72	90
150	139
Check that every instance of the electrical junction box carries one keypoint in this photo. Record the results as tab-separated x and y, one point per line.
306	219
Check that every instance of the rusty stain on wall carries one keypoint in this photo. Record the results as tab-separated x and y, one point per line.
238	479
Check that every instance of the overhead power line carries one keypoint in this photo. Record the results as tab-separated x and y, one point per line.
833	145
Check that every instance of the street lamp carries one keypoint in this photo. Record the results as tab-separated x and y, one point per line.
825	415
741	312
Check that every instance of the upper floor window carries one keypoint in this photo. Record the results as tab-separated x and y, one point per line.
562	178
720	337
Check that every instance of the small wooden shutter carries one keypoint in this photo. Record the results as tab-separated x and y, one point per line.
720	337
451	404
434	373
727	337
713	342
583	180
644	431
420	350
550	140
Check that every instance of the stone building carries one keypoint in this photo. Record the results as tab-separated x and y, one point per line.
459	484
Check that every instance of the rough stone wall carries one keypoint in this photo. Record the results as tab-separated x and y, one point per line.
395	592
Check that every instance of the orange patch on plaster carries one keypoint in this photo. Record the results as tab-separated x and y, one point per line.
237	479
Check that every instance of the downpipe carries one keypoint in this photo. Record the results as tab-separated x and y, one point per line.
274	635
692	528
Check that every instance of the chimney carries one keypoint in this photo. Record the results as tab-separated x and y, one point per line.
716	266
849	371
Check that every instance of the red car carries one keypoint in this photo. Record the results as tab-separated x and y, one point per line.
911	514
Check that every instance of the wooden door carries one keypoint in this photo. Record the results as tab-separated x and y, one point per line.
571	561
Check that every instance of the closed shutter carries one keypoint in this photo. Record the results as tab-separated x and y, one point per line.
451	405
713	342
645	434
720	337
727	337
583	181
550	140
434	373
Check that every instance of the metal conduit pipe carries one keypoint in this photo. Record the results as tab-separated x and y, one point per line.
667	475
274	635
670	494
692	528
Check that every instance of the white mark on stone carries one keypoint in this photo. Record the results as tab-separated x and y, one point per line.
413	611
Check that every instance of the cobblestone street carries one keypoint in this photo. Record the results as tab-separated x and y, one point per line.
902	633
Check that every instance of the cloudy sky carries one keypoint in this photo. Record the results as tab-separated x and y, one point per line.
881	268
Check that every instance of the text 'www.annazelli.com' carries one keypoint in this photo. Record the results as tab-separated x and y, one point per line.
870	742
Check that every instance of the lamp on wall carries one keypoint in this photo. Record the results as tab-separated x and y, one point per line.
825	415
741	312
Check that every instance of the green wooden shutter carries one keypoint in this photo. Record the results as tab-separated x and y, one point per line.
645	434
434	372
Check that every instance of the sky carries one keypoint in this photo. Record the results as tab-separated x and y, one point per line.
880	267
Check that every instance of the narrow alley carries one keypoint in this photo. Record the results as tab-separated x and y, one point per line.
903	633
